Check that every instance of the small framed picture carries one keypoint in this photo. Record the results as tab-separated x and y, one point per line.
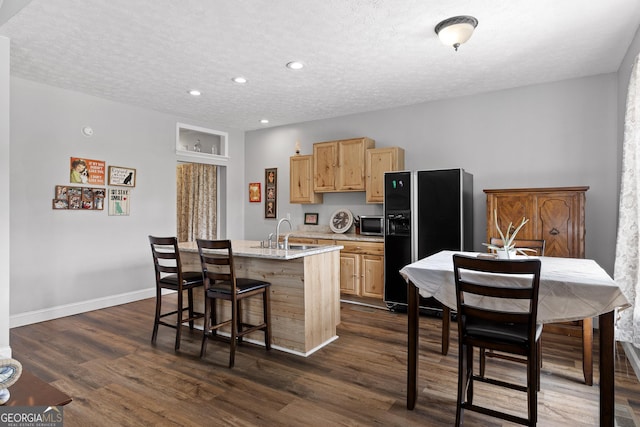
119	175
311	218
255	194
60	204
61	192
74	192
270	192
75	202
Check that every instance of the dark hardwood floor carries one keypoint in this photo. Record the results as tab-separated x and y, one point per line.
105	361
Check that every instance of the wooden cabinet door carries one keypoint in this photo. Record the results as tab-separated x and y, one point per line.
325	162
301	180
379	161
351	164
561	224
511	208
372	276
349	273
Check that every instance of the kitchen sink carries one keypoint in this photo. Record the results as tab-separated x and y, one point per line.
302	247
294	247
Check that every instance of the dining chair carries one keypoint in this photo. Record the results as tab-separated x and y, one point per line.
221	283
169	275
497	304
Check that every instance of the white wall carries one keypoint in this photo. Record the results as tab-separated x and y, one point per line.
70	261
5	350
557	134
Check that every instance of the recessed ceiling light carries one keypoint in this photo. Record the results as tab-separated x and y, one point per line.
194	92
240	80
264	121
295	65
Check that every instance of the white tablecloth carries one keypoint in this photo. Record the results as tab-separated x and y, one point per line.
570	288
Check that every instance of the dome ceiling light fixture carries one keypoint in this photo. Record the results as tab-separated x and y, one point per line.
456	30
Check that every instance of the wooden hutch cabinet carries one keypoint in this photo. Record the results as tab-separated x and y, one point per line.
555	215
340	165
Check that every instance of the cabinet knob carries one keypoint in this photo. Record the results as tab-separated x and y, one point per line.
554	231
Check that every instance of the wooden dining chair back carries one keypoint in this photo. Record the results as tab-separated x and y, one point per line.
483	286
169	275
537	249
221	283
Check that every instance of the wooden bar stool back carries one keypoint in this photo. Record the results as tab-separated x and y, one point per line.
169	275
221	283
480	283
537	247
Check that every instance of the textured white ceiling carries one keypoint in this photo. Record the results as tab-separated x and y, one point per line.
360	55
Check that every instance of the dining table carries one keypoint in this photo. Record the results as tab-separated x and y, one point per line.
570	289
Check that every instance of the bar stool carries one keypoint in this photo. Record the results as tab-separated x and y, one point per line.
221	283
169	275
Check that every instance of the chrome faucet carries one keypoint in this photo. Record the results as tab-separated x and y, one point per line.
284	245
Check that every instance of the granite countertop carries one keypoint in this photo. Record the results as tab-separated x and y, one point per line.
251	248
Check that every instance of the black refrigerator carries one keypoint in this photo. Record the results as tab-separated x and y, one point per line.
425	212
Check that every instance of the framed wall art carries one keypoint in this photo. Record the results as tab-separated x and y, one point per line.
86	171
311	218
122	176
76	198
119	201
255	195
271	192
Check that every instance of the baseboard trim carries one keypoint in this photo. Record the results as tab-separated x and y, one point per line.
633	355
51	313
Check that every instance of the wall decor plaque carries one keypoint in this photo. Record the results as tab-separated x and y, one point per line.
125	177
271	193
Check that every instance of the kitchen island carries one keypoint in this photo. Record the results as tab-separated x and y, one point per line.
305	292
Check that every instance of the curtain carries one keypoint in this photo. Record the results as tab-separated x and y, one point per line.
626	269
197	201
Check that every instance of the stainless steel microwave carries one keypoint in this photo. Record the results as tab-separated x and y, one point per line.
372	225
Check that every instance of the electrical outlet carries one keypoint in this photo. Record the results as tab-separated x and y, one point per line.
289	216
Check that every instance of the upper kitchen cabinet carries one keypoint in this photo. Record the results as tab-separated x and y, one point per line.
340	165
379	161
555	215
301	181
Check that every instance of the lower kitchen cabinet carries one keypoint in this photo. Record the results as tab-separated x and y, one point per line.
349	273
361	265
372	276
